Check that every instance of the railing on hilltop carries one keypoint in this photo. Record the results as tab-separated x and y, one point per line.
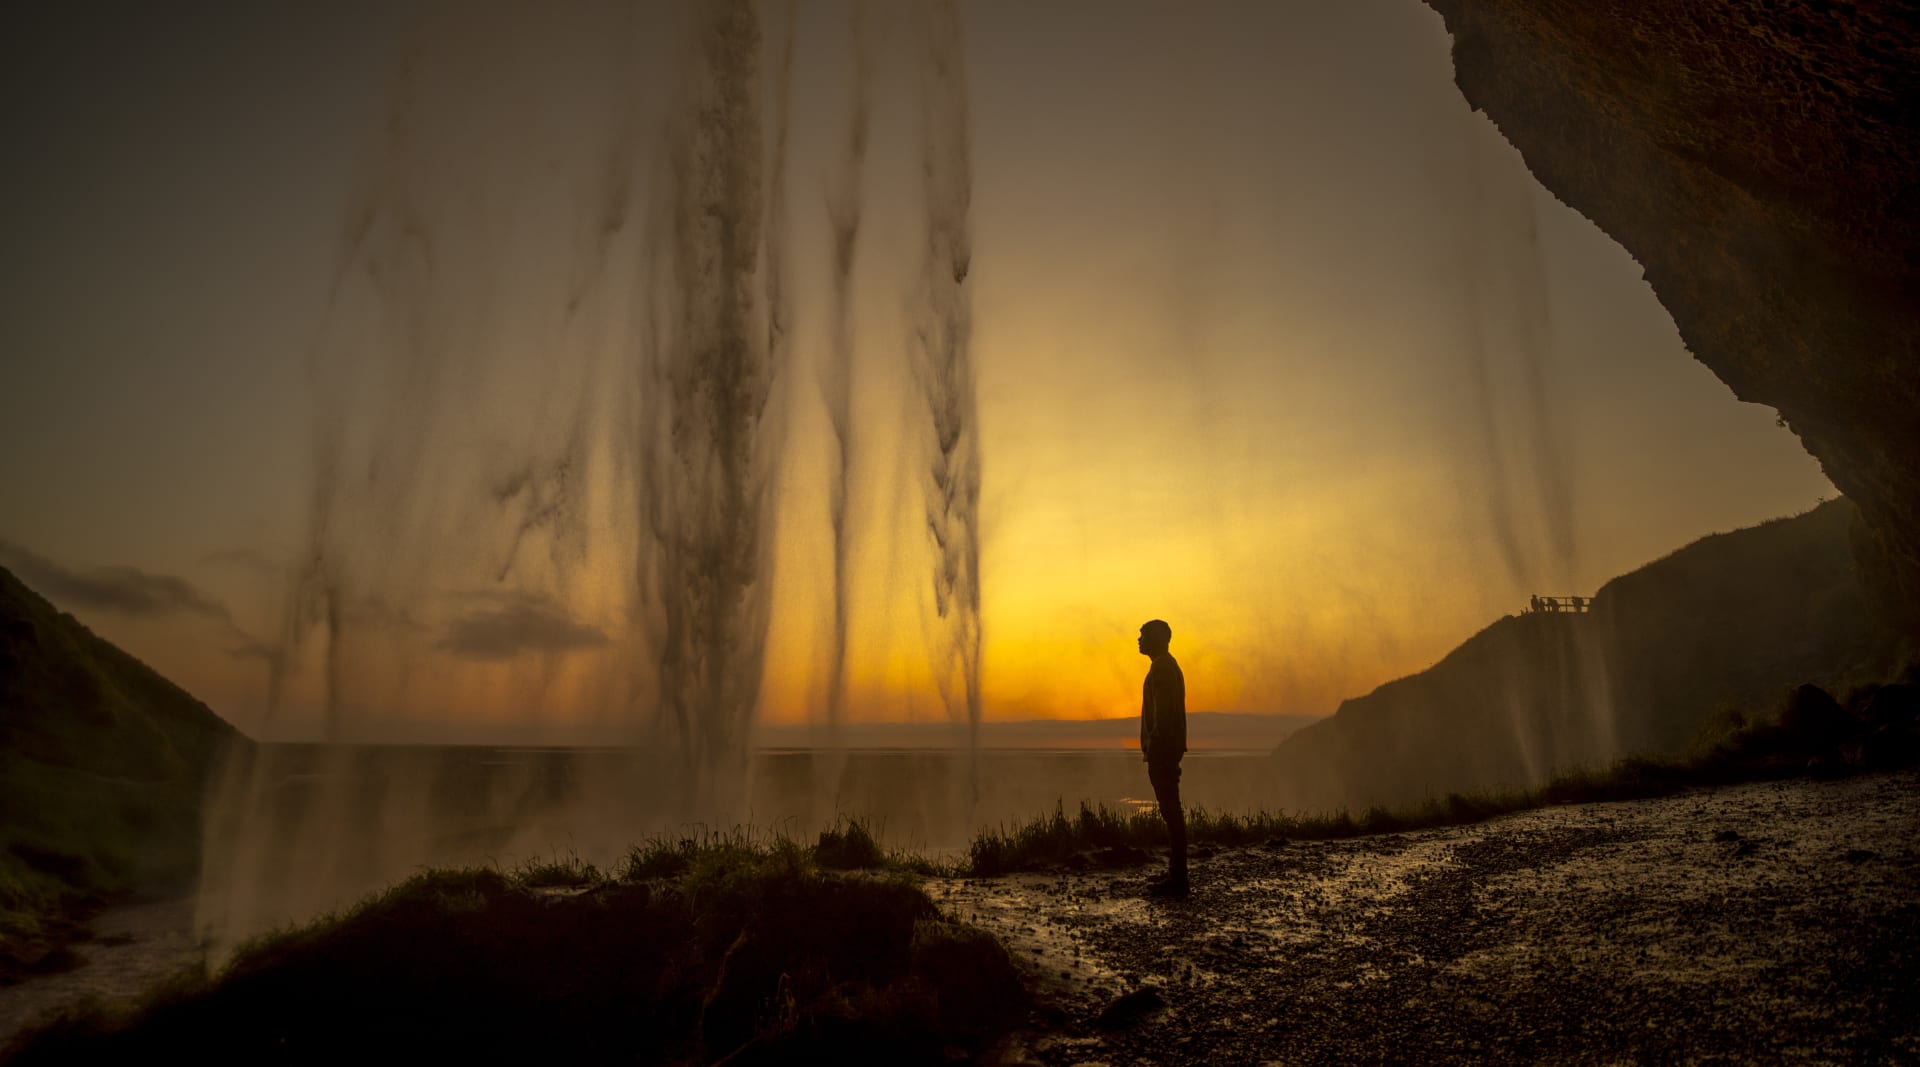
1559	605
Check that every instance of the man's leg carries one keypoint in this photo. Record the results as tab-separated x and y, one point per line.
1166	792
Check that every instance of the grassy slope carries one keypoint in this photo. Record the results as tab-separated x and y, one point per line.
696	950
1731	620
102	764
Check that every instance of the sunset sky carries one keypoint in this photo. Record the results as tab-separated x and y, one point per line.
1276	341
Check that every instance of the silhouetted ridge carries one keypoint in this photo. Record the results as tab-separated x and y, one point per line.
1732	620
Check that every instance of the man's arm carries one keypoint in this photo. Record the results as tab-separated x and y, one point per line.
1167	698
1146	716
1173	711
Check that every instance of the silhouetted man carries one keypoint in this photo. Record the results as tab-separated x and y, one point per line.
1163	740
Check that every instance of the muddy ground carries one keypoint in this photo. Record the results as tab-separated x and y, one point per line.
128	949
1766	923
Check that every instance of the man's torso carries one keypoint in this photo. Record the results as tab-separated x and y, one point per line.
1163	711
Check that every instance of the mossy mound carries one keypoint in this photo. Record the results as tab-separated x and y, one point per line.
746	955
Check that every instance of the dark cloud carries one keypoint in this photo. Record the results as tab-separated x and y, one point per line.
119	589
376	613
245	647
246	559
516	624
132	592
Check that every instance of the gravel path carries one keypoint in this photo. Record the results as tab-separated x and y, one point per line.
1776	922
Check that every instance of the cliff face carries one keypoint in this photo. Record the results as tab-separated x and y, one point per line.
1760	160
1735	619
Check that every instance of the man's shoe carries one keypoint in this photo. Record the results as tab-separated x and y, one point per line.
1170	886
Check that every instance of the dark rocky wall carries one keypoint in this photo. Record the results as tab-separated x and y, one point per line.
1758	157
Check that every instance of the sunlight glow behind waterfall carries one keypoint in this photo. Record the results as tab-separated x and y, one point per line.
1236	274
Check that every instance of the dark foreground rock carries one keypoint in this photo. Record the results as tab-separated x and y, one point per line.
1764	923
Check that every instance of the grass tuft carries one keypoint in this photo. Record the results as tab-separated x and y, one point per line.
848	846
554	872
702	852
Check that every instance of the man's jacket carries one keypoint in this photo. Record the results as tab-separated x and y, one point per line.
1163	712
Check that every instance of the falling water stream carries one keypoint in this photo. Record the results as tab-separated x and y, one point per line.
567	342
551	405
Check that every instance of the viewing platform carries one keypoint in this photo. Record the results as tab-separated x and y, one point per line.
1559	605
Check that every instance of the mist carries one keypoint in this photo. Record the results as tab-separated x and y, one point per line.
678	377
552	405
625	526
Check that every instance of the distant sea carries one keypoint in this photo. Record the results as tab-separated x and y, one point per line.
918	785
1211	731
294	830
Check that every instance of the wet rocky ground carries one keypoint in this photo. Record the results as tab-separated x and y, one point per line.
1767	923
128	949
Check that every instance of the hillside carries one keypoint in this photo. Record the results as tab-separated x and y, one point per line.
102	764
1729	622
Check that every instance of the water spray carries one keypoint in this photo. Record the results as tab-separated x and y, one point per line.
945	368
844	208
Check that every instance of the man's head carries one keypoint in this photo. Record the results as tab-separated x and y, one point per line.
1154	636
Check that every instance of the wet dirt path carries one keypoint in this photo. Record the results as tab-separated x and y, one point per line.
1761	923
